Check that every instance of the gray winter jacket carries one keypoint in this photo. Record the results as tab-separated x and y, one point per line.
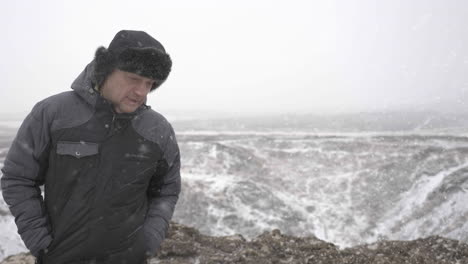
111	181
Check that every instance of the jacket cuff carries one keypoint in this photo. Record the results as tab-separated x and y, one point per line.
45	243
152	242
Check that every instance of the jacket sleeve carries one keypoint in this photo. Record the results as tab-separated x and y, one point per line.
163	194
23	173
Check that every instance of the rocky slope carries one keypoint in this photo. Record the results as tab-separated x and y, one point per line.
187	245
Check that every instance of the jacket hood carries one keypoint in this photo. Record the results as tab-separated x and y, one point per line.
83	85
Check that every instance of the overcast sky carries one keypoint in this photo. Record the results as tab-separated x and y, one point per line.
249	56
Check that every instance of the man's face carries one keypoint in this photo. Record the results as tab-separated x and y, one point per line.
126	91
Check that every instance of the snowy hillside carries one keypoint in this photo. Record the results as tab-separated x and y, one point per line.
344	189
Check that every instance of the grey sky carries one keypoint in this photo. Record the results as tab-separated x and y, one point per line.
251	56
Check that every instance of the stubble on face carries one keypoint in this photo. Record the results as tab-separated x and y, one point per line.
126	91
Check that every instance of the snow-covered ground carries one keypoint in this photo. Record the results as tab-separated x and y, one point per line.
344	189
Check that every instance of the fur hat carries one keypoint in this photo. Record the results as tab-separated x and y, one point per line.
136	52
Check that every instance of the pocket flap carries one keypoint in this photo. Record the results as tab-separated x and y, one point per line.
77	149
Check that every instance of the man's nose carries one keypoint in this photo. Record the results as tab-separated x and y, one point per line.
142	89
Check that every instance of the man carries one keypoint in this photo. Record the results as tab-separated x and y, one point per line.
109	164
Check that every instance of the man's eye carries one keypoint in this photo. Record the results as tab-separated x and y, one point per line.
133	79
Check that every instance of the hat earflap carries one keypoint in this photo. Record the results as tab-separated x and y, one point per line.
105	63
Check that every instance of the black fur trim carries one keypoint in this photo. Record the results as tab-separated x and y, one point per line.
105	63
148	62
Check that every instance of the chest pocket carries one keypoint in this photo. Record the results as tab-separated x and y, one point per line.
72	173
77	149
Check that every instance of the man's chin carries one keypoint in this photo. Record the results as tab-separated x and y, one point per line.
126	109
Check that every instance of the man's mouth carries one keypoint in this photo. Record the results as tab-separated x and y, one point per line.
133	101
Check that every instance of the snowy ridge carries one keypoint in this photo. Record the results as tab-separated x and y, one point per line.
346	190
430	207
455	133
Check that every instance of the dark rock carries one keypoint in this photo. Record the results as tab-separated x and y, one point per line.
21	258
274	247
187	245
